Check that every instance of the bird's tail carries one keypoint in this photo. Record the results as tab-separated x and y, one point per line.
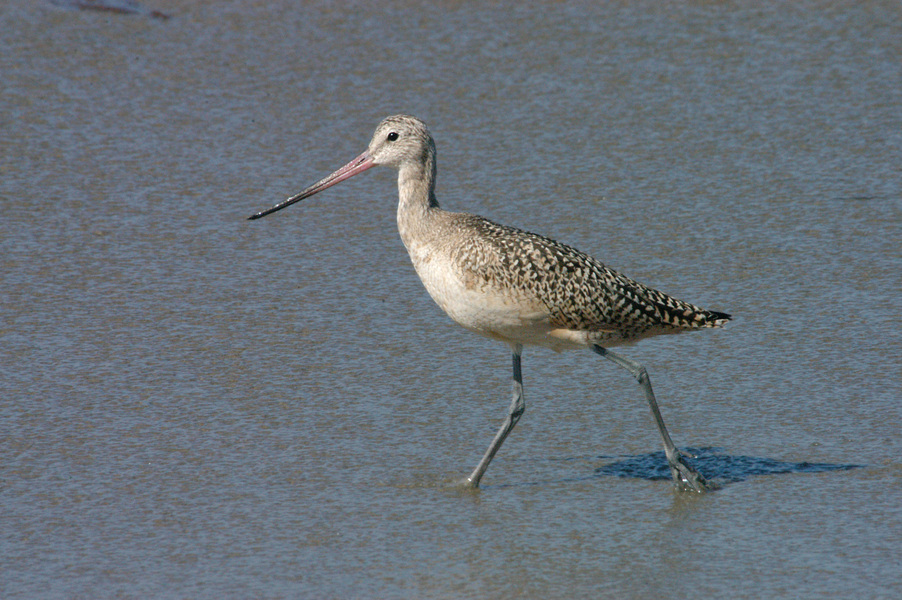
683	315
713	318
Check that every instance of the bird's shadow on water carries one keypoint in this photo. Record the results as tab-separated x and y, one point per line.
722	469
718	468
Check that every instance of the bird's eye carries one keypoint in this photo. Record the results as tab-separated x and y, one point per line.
392	136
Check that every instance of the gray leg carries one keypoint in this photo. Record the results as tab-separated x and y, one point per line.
517	408
684	476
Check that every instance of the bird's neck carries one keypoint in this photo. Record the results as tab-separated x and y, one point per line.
417	204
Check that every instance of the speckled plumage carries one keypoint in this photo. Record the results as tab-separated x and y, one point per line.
577	292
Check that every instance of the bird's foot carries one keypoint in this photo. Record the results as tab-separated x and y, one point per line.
466	483
686	478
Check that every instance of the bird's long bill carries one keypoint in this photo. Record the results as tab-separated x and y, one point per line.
358	165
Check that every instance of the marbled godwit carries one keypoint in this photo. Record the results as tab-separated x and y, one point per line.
518	287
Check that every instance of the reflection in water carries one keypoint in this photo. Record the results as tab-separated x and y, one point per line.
721	468
121	7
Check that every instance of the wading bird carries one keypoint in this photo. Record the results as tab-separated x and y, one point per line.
518	287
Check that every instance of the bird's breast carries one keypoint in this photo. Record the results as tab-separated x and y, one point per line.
475	301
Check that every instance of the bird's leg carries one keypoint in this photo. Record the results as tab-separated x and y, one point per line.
517	408
684	476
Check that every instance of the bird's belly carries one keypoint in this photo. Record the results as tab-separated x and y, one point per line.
501	314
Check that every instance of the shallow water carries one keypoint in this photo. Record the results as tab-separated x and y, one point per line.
193	404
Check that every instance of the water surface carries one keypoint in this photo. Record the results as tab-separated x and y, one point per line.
193	404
